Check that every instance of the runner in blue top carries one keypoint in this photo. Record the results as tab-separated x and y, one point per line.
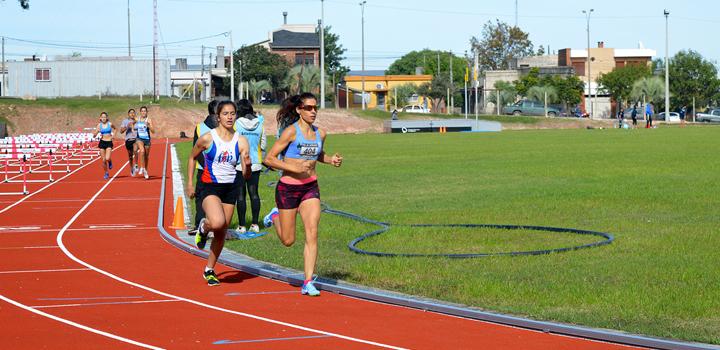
298	192
127	128
223	149
143	127
106	129
251	127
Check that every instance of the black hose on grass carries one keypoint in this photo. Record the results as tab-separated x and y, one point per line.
385	226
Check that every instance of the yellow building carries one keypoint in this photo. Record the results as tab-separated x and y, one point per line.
379	90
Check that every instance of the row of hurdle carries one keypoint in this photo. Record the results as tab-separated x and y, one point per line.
37	158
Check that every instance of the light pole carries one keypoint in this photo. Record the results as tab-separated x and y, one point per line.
667	70
128	8
592	105
322	54
362	12
232	70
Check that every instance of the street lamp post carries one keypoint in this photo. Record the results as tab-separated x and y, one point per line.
589	93
667	69
362	11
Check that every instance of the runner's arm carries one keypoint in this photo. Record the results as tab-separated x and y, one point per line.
199	146
244	147
272	157
335	160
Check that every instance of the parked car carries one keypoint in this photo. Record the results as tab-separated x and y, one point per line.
529	107
415	109
712	115
673	118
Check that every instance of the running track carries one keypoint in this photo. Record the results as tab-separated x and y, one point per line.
90	270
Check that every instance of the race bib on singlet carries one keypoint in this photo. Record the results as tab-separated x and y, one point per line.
308	149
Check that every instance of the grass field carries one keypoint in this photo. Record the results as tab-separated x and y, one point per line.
656	190
377	114
115	106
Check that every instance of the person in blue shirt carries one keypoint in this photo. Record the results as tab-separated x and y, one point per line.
106	129
143	127
298	191
250	126
649	113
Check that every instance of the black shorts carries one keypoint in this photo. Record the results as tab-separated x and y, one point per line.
227	192
129	144
105	144
290	196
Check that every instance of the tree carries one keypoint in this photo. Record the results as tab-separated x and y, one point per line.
619	82
400	94
649	89
532	78
334	55
506	91
436	90
428	60
569	89
499	44
255	88
257	63
302	78
693	76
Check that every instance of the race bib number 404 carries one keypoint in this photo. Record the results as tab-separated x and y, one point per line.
308	149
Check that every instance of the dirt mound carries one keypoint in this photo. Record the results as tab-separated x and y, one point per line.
169	122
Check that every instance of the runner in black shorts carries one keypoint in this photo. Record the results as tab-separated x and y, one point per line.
128	128
106	130
297	191
223	150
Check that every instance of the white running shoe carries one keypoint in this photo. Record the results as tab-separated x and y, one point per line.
145	173
254	228
241	229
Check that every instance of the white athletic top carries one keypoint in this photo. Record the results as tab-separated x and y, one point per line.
221	159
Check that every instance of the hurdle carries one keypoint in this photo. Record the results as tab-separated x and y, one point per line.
24	182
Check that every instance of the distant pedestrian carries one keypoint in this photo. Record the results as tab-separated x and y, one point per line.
683	112
633	115
394	115
620	116
649	108
251	126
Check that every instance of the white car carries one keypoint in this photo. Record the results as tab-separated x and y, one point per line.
673	118
415	109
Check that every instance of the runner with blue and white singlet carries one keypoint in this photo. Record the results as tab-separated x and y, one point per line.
106	129
223	149
143	126
298	191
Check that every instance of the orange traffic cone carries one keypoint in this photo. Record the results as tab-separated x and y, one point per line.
179	218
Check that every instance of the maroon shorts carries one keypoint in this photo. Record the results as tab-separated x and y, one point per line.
290	196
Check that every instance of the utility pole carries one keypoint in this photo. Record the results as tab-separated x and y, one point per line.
667	70
4	70
322	54
128	8
476	82
362	12
232	70
452	85
516	13
156	79
589	93
467	77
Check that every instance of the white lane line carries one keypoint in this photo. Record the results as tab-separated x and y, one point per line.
106	303
35	247
20	228
39	271
195	302
81	229
233	294
89	298
52	183
124	199
75	324
110	226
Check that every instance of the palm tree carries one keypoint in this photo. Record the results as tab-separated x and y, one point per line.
505	91
255	88
302	78
545	93
648	90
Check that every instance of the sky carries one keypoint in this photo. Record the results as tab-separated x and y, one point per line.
392	27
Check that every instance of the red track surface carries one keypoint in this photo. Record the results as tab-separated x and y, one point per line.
170	306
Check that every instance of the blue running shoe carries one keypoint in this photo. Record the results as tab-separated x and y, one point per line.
309	289
106	176
110	164
267	220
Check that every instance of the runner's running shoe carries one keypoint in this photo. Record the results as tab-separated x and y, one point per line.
110	164
211	278
201	236
106	176
309	289
267	221
145	173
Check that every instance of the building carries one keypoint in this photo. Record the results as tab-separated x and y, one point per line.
602	60
86	76
184	79
378	89
298	43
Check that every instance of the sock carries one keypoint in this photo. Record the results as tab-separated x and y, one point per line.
306	281
208	269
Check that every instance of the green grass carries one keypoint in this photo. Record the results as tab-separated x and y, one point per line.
114	106
655	190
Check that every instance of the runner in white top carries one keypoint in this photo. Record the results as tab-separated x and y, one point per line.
223	149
